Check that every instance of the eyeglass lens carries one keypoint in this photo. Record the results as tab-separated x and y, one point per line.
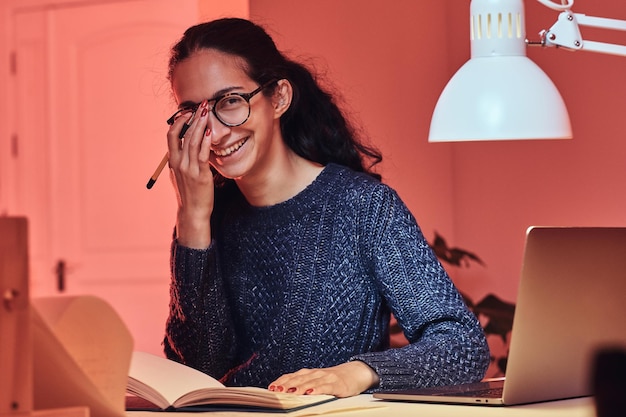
232	110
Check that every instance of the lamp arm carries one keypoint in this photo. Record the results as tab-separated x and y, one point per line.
565	33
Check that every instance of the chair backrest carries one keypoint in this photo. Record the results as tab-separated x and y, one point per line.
16	378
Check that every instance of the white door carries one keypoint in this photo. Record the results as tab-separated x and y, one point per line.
91	101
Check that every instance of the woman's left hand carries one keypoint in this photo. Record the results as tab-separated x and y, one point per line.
345	380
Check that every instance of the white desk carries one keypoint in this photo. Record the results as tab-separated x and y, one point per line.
365	405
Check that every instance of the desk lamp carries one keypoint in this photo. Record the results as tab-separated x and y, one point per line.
500	94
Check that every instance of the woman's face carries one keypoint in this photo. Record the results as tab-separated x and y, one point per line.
240	151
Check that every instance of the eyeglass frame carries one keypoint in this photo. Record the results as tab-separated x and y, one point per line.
246	96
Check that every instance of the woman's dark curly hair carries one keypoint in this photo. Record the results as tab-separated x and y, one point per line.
313	127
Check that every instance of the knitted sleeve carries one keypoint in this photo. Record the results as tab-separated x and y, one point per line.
199	327
447	344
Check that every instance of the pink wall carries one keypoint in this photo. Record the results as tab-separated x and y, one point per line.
381	58
392	59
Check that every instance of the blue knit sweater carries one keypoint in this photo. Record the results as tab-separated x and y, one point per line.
311	283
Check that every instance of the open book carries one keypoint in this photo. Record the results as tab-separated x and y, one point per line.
170	385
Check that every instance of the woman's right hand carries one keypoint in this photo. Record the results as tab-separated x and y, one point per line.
192	178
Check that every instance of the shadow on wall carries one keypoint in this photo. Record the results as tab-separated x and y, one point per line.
494	314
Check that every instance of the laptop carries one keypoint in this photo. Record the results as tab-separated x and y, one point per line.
570	306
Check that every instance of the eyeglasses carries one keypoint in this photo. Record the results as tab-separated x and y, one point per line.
231	109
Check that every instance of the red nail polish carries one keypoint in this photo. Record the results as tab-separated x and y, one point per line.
279	388
307	392
204	112
292	389
272	388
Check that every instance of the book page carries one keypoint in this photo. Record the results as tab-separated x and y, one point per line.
168	378
82	353
251	397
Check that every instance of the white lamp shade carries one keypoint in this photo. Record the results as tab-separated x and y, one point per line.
499	98
499	94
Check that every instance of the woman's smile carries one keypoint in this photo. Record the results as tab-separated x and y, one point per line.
228	151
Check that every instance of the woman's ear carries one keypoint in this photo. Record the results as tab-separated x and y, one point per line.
282	97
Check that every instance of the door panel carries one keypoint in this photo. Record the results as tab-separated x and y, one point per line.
32	168
92	100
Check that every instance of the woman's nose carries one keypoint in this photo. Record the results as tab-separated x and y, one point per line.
218	129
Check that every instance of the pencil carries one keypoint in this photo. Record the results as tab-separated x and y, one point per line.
186	126
181	135
157	172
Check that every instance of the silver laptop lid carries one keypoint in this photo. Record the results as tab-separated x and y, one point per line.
570	304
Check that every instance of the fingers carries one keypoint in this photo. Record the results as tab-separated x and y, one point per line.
345	380
191	152
194	135
305	381
312	381
174	144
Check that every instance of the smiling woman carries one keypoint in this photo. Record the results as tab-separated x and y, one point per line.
289	253
219	137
